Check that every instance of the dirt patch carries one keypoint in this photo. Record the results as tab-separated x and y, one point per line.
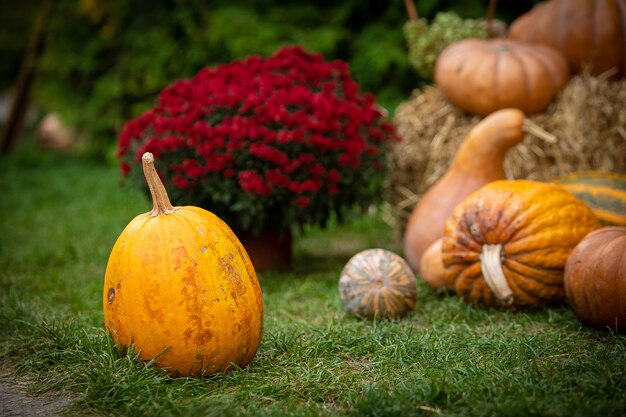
15	402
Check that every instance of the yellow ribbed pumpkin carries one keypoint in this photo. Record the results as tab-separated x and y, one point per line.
179	284
507	243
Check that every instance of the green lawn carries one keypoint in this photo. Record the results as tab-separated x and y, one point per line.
59	219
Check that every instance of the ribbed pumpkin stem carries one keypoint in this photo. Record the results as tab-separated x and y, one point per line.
491	267
160	201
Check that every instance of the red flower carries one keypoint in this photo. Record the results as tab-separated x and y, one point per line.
317	170
276	177
252	182
332	189
124	168
180	182
349	160
268	153
302	202
333	176
191	168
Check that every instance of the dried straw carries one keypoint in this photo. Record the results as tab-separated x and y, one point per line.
588	119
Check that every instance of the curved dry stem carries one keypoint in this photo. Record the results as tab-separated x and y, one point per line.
160	201
491	267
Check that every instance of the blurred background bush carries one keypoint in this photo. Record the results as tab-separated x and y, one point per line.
105	61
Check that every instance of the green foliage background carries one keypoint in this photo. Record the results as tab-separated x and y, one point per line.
106	60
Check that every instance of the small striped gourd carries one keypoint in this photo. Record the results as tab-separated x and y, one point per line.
604	193
377	283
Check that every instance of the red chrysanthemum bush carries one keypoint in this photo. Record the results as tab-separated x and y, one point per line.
283	141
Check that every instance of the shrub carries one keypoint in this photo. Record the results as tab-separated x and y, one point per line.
283	141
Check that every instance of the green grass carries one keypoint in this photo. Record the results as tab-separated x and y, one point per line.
59	219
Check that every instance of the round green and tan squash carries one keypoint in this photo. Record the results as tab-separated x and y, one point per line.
595	279
507	243
377	283
604	192
181	289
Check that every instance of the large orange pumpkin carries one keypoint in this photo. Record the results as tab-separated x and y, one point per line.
587	32
180	287
595	278
507	243
484	75
478	161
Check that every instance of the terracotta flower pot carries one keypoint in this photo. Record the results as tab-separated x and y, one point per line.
269	250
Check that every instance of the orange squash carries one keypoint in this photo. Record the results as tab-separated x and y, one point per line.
478	161
377	283
506	244
180	287
484	75
432	270
586	32
595	279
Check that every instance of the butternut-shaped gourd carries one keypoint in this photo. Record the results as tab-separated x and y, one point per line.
586	32
595	279
478	161
179	287
484	75
507	244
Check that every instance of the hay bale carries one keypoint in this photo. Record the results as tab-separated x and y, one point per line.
588	118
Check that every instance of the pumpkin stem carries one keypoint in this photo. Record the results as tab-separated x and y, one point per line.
160	201
411	10
535	130
491	11
491	267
